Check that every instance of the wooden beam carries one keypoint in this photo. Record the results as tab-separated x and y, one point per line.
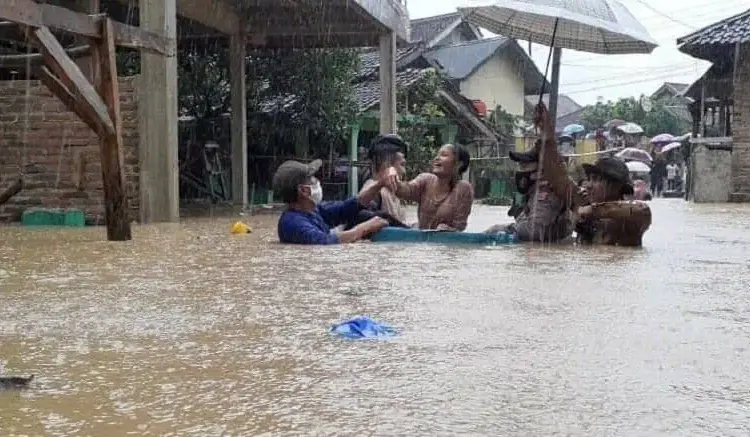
58	88
71	75
217	14
36	59
11	191
30	13
113	167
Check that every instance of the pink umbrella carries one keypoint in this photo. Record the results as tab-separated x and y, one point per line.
633	154
662	139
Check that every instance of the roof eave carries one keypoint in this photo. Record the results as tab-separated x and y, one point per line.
687	38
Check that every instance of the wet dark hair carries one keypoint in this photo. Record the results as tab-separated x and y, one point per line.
462	158
383	154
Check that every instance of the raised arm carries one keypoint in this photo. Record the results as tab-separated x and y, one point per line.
552	169
412	190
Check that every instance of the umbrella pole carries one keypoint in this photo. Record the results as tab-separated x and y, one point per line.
554	86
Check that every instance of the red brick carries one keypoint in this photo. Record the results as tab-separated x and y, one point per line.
36	125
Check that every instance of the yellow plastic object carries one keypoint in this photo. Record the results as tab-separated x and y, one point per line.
241	228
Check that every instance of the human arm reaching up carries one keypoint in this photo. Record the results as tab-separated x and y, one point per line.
550	160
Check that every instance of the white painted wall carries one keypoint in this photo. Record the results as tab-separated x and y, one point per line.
497	82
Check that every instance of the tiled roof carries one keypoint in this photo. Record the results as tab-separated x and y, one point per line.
367	93
726	32
425	29
458	61
565	105
369	59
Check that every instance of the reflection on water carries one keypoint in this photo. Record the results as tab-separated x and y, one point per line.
189	330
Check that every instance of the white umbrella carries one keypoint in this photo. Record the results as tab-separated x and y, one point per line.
595	26
638	167
634	154
630	129
671	146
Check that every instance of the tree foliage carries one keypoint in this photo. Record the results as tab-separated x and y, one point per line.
311	88
419	104
656	121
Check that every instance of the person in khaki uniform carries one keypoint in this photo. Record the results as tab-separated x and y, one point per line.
601	215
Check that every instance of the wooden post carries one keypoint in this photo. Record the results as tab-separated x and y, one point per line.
89	64
11	191
554	92
388	83
158	124
113	175
353	157
239	119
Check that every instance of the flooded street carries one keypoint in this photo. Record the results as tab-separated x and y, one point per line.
191	331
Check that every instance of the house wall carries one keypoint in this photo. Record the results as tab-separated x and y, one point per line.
711	174
61	153
497	82
741	129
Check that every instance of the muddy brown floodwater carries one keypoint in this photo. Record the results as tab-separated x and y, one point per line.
191	331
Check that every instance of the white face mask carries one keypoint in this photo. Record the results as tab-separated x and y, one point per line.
316	193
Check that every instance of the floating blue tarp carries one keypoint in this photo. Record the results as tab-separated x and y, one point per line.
362	327
393	235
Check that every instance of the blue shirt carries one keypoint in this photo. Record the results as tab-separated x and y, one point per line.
300	227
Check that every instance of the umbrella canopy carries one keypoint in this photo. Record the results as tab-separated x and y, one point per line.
662	139
638	167
633	154
630	128
573	129
594	26
614	123
671	146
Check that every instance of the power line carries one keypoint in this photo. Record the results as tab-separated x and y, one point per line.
627	68
660	13
615	85
671	70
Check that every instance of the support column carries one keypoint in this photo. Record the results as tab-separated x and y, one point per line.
388	83
239	119
554	92
157	108
448	133
88	64
353	157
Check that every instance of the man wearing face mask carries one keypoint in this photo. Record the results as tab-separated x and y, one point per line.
309	220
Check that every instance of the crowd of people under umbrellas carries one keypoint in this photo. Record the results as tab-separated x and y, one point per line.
554	205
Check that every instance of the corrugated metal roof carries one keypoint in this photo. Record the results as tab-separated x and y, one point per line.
458	61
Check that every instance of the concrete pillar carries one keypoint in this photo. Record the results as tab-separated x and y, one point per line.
239	119
86	63
157	107
388	83
353	157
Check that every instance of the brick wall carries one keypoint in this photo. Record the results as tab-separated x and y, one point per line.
61	153
741	129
